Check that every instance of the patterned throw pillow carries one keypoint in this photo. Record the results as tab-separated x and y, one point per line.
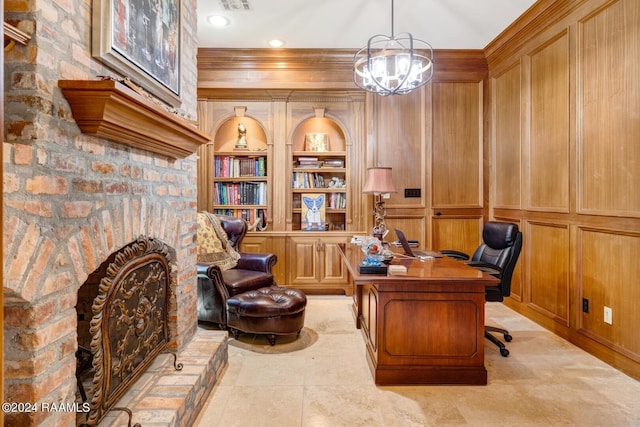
213	246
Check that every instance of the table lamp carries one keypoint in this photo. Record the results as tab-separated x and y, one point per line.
379	182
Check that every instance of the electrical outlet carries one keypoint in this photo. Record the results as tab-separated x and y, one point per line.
608	315
585	305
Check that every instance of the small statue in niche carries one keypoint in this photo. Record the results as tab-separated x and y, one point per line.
242	137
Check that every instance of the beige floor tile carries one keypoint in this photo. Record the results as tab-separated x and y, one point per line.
212	411
261	406
272	369
323	380
341	405
418	406
347	369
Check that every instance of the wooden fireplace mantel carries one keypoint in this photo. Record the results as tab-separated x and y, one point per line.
111	110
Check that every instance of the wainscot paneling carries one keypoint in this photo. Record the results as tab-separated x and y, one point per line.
548	269
413	226
396	139
573	67
432	138
607	271
458	233
507	158
517	280
548	157
609	110
457	145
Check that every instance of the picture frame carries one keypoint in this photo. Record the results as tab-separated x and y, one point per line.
313	212
315	141
141	40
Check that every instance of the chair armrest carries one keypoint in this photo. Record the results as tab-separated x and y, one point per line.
455	254
257	261
202	269
214	273
491	269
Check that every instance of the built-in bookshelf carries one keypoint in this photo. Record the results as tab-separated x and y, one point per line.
301	146
240	182
319	176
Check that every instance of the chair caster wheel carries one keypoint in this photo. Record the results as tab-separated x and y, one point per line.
504	352
508	337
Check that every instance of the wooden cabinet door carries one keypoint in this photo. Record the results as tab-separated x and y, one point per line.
264	242
333	269
314	264
304	266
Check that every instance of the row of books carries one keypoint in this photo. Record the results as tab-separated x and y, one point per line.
229	166
240	193
314	162
336	201
307	180
307	162
248	215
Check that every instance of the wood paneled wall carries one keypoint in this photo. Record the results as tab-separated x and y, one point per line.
563	98
433	140
542	128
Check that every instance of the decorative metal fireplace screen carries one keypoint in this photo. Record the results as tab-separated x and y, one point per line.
129	324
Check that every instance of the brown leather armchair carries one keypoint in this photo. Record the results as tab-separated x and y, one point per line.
254	271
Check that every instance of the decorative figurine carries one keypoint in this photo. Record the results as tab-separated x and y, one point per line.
242	138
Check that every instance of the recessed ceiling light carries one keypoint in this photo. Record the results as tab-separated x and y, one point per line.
276	43
218	21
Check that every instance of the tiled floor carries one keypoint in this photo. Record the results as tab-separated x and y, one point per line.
322	379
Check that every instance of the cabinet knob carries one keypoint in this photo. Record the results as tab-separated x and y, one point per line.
438	213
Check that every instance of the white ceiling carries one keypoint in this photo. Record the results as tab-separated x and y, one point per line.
348	24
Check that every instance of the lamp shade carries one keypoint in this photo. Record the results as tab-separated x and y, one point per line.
378	181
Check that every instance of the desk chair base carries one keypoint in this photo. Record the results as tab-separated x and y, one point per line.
507	337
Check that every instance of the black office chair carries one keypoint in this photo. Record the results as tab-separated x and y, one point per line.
497	255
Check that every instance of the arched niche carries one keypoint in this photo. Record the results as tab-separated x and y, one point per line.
337	140
227	135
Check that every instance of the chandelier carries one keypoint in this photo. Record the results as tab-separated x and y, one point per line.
395	64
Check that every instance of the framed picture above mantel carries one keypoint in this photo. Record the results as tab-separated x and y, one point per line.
140	39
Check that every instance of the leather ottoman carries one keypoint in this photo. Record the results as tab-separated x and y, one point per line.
270	311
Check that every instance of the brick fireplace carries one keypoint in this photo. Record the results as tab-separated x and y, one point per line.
71	200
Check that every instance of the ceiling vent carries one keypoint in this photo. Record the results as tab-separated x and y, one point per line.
235	5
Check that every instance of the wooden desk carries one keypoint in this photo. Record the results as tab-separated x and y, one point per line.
423	328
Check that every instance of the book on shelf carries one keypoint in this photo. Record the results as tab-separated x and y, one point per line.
240	193
249	215
337	201
333	163
307	159
308	180
308	162
233	167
